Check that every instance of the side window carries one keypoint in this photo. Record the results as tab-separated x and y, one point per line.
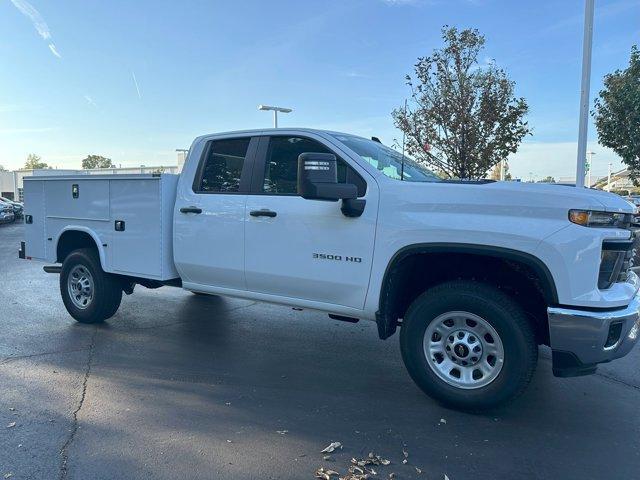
223	164
281	165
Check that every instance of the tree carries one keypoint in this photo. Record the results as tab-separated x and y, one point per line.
34	162
548	179
2	169
97	161
464	117
617	113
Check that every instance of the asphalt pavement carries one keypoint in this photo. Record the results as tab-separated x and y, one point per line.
184	386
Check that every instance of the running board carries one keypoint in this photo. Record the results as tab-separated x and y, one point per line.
52	268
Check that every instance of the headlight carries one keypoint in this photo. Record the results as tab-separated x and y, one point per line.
591	218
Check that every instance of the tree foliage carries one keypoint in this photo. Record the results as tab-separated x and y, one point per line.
96	161
2	169
464	117
617	113
548	179
34	162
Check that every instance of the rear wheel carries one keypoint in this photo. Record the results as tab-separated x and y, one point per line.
468	345
90	295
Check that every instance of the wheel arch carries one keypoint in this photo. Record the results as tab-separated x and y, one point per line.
386	316
73	237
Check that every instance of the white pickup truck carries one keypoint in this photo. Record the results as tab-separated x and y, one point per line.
475	274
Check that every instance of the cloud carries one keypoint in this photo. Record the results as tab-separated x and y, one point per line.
354	74
52	47
38	22
136	84
90	101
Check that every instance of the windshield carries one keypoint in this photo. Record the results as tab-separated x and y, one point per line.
387	160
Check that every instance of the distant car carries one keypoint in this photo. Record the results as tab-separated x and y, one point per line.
18	208
6	213
635	201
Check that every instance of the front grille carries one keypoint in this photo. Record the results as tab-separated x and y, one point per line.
616	260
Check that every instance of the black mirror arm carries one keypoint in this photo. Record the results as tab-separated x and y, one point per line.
353	207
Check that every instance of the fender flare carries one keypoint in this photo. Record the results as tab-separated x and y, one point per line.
387	324
91	233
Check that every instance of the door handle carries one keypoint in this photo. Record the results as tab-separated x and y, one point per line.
190	210
263	213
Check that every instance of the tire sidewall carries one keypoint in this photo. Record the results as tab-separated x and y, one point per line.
89	261
515	343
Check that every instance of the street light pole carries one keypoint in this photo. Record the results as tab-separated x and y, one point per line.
590	165
584	94
609	179
275	111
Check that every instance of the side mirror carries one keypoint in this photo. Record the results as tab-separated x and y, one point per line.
318	178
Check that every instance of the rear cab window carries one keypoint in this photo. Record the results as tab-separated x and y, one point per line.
224	166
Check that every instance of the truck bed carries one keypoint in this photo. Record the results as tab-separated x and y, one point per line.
94	204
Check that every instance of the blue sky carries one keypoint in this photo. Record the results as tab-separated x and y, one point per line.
136	80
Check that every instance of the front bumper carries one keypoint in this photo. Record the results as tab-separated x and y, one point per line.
580	339
7	218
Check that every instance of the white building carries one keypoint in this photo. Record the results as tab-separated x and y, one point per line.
11	185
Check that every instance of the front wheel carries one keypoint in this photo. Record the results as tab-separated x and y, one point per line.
90	295
468	345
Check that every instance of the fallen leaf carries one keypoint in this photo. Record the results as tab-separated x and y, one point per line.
325	473
418	470
282	432
8	475
443	420
12	409
393	475
445	477
332	447
404	462
405	453
11	425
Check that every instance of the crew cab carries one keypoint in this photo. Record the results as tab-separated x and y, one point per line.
476	275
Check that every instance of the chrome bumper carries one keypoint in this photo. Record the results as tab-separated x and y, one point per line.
580	339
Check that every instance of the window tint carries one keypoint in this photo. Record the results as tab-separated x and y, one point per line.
223	166
281	166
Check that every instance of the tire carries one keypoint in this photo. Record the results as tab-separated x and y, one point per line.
457	316
100	295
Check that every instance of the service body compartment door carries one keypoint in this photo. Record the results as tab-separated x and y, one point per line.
35	213
136	248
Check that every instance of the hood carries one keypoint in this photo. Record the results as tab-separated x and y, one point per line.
568	195
534	200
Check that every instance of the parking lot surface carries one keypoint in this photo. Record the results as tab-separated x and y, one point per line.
184	386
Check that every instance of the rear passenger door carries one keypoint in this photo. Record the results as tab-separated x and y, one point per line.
210	215
306	249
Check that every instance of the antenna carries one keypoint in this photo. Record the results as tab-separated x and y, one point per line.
403	137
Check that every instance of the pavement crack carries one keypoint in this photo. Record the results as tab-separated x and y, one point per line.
13	358
64	451
617	380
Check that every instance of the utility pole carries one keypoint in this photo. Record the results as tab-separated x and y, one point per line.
609	179
584	93
589	167
275	111
403	139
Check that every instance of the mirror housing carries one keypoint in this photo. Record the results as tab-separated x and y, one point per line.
318	178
